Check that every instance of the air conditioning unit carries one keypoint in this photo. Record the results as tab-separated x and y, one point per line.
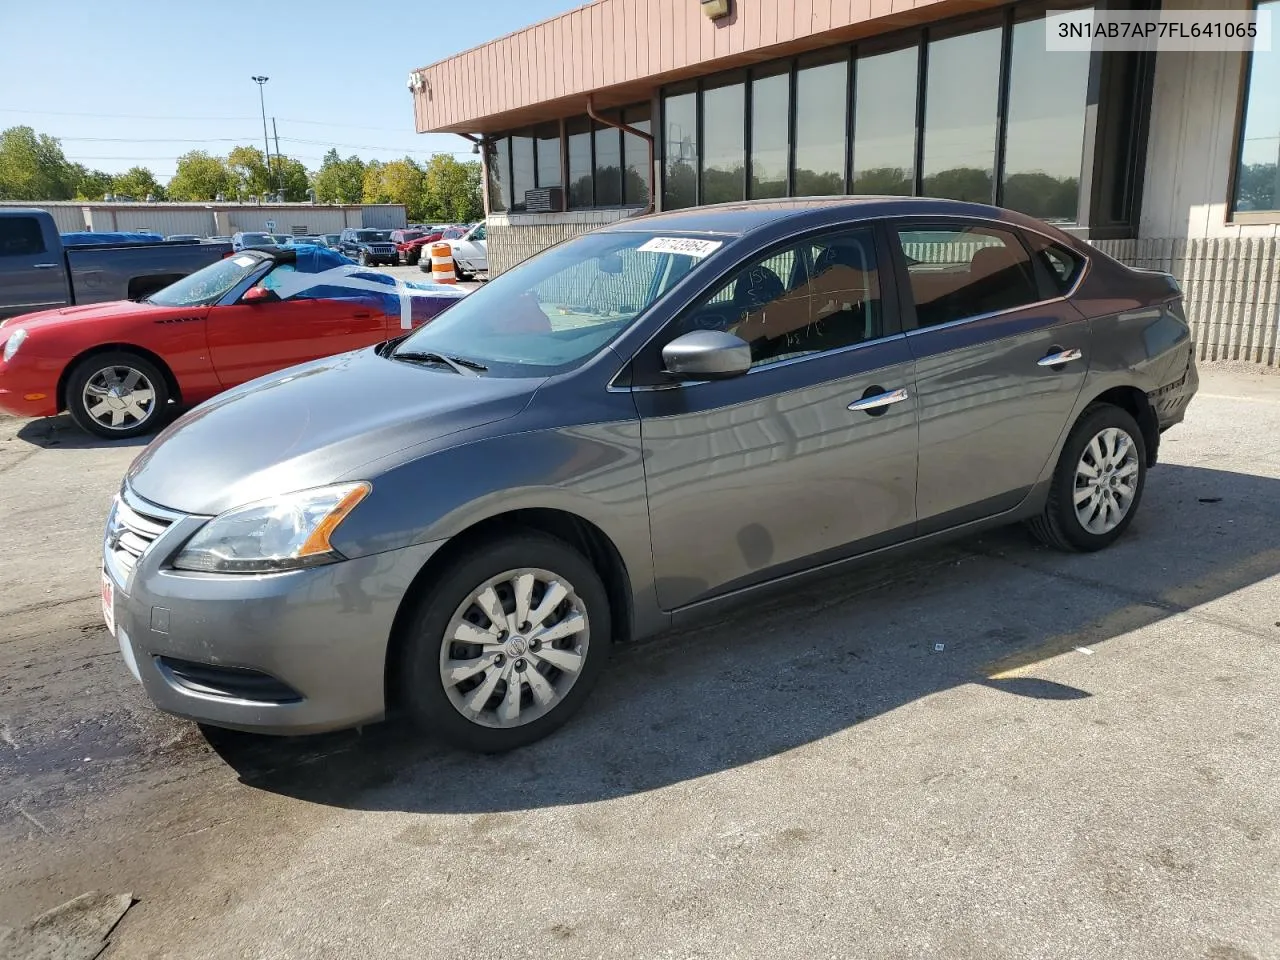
544	200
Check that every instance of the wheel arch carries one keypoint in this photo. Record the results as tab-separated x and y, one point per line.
171	381
1134	402
581	534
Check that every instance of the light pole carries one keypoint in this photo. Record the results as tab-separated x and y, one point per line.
260	81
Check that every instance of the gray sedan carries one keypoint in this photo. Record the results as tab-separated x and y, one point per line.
638	427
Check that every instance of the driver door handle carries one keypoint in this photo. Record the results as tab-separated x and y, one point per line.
880	400
44	266
1059	358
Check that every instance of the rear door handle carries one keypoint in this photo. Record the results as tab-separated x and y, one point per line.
44	266
878	401
1059	358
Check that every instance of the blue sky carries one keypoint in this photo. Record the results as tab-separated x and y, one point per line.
125	82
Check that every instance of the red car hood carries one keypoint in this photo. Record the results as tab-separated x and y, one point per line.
115	310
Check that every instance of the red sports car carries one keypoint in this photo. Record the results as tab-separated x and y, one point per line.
121	368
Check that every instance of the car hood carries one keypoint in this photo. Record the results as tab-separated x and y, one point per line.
114	310
312	425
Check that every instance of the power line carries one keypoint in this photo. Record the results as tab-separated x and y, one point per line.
193	117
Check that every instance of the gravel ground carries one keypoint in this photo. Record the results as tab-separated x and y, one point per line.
986	750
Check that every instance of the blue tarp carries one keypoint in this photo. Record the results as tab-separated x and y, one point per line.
88	238
317	259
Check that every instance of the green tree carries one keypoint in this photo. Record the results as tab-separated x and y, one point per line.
33	167
338	180
201	177
291	176
137	182
91	184
399	181
451	190
248	167
960	183
371	187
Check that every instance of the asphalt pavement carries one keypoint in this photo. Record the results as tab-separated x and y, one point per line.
984	750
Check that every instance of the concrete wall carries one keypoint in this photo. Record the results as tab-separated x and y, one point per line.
513	237
1231	288
1191	148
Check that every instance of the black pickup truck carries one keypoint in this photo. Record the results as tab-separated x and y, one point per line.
39	272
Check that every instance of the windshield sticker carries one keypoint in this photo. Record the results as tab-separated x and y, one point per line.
244	261
688	246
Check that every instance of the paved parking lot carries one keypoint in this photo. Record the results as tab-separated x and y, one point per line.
985	750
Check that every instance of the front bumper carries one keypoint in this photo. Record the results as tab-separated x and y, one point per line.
305	650
29	386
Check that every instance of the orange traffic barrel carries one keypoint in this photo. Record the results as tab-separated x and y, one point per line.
442	263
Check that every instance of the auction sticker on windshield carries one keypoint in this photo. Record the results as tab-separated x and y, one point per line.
244	261
689	246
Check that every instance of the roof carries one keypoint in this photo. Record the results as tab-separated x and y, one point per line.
620	51
735	219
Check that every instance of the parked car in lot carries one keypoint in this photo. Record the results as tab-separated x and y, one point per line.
404	239
332	240
313	241
217	239
641	425
185	237
38	270
414	251
247	240
370	247
467	244
119	368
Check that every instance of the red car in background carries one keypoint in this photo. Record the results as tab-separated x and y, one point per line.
120	369
408	243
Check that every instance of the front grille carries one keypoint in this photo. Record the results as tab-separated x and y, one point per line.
383	249
231	683
130	534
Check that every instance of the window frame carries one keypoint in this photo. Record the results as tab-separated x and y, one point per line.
1245	217
644	371
902	275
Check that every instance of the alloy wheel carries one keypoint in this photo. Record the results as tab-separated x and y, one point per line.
119	398
1106	480
514	648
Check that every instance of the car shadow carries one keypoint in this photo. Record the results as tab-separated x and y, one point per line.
61	433
838	652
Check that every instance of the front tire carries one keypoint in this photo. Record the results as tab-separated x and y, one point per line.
117	395
460	274
1097	484
364	259
506	646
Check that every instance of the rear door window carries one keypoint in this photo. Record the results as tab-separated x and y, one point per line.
957	271
20	237
1063	266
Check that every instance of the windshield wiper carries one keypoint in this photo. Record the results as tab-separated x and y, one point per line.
460	365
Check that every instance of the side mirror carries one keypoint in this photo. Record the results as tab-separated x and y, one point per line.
259	295
707	355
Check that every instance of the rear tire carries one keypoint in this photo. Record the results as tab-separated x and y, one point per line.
117	395
461	690
1097	484
459	273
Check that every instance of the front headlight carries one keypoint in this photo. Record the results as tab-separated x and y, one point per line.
14	342
283	533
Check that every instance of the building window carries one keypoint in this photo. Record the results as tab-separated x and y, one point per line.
608	166
1258	171
580	165
522	170
821	107
770	133
635	158
498	161
1044	139
548	138
884	123
723	143
680	150
960	107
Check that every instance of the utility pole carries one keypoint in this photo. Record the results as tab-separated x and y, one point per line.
279	165
260	81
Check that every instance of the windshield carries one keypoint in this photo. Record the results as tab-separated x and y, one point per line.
553	311
254	238
410	235
372	236
209	285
